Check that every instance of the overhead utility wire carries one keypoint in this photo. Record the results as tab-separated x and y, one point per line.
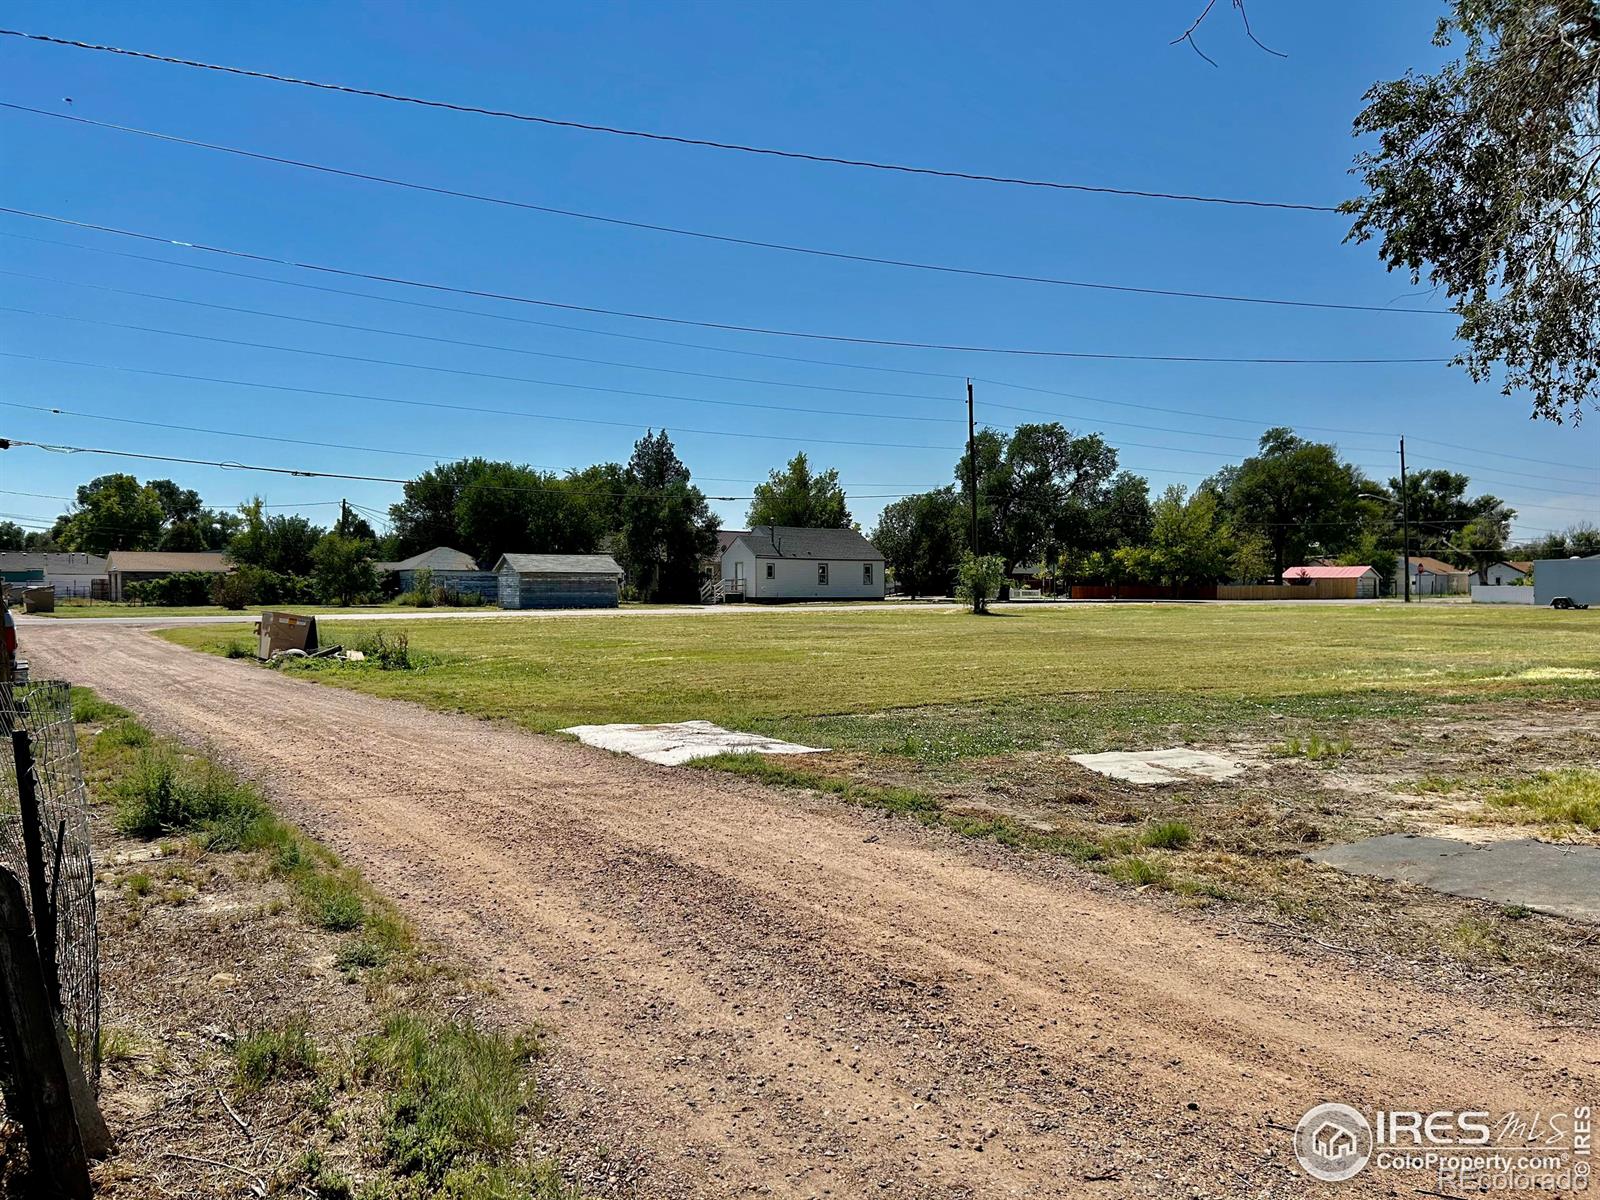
679	139
478	312
822	362
477	408
729	239
426	337
384	362
727	327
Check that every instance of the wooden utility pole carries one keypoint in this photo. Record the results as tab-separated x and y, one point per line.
972	468
1405	518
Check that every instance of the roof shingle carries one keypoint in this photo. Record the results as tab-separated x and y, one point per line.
792	541
559	564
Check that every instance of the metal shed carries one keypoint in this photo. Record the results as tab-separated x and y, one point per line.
559	581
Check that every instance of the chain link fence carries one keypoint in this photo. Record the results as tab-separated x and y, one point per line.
43	710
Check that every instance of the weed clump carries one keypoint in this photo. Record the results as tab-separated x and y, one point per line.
277	1052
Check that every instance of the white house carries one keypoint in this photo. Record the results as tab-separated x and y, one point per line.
784	562
73	574
1507	574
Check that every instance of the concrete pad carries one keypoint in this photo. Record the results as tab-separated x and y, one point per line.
674	744
1160	766
1564	880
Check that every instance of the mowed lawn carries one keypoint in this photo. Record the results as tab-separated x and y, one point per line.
765	668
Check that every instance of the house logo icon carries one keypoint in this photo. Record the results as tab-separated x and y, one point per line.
1332	1142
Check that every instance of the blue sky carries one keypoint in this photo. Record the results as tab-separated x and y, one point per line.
1083	93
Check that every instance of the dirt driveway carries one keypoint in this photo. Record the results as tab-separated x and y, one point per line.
765	993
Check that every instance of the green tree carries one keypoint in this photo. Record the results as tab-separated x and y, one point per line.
798	496
1439	509
978	579
667	527
12	536
1189	544
353	524
425	517
342	568
1039	488
921	539
1294	493
112	512
278	542
1486	177
1482	542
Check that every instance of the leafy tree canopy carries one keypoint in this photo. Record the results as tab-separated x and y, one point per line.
798	496
921	539
1484	180
1295	495
666	525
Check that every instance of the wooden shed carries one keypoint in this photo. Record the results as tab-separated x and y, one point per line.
559	581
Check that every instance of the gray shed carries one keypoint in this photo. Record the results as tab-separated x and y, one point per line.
453	570
559	581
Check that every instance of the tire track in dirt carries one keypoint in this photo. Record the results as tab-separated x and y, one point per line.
762	1001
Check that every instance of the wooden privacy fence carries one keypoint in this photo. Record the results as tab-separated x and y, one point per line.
1314	589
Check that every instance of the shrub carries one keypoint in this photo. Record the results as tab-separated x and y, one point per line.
165	794
389	654
171	591
978	579
249	585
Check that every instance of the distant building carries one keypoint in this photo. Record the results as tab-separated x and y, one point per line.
1432	577
1366	578
558	581
71	574
135	566
453	570
1501	574
786	562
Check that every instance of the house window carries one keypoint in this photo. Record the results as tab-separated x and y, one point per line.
866	574
771	571
822	574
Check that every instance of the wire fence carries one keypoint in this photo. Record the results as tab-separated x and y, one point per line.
44	711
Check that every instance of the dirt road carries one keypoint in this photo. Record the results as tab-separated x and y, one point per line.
771	994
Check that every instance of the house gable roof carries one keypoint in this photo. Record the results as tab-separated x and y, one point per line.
559	564
792	541
170	562
440	558
1433	566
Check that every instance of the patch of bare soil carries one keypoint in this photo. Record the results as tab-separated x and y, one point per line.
773	993
200	950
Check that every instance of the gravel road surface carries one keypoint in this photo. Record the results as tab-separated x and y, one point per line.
763	992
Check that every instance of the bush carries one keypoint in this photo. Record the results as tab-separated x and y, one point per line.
249	585
172	591
389	654
978	579
165	794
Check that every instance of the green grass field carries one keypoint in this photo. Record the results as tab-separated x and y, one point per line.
792	668
122	608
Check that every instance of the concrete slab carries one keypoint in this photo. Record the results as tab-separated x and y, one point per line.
1564	880
679	742
1160	766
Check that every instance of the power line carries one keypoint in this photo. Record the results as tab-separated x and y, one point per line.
424	337
1202	415
478	312
728	239
386	362
678	139
726	327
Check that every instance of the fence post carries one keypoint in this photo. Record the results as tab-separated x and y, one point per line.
43	1092
44	914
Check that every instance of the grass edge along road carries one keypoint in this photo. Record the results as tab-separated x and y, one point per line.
397	1096
793	667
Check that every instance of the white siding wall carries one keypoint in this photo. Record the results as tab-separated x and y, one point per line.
739	561
1501	594
796	579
